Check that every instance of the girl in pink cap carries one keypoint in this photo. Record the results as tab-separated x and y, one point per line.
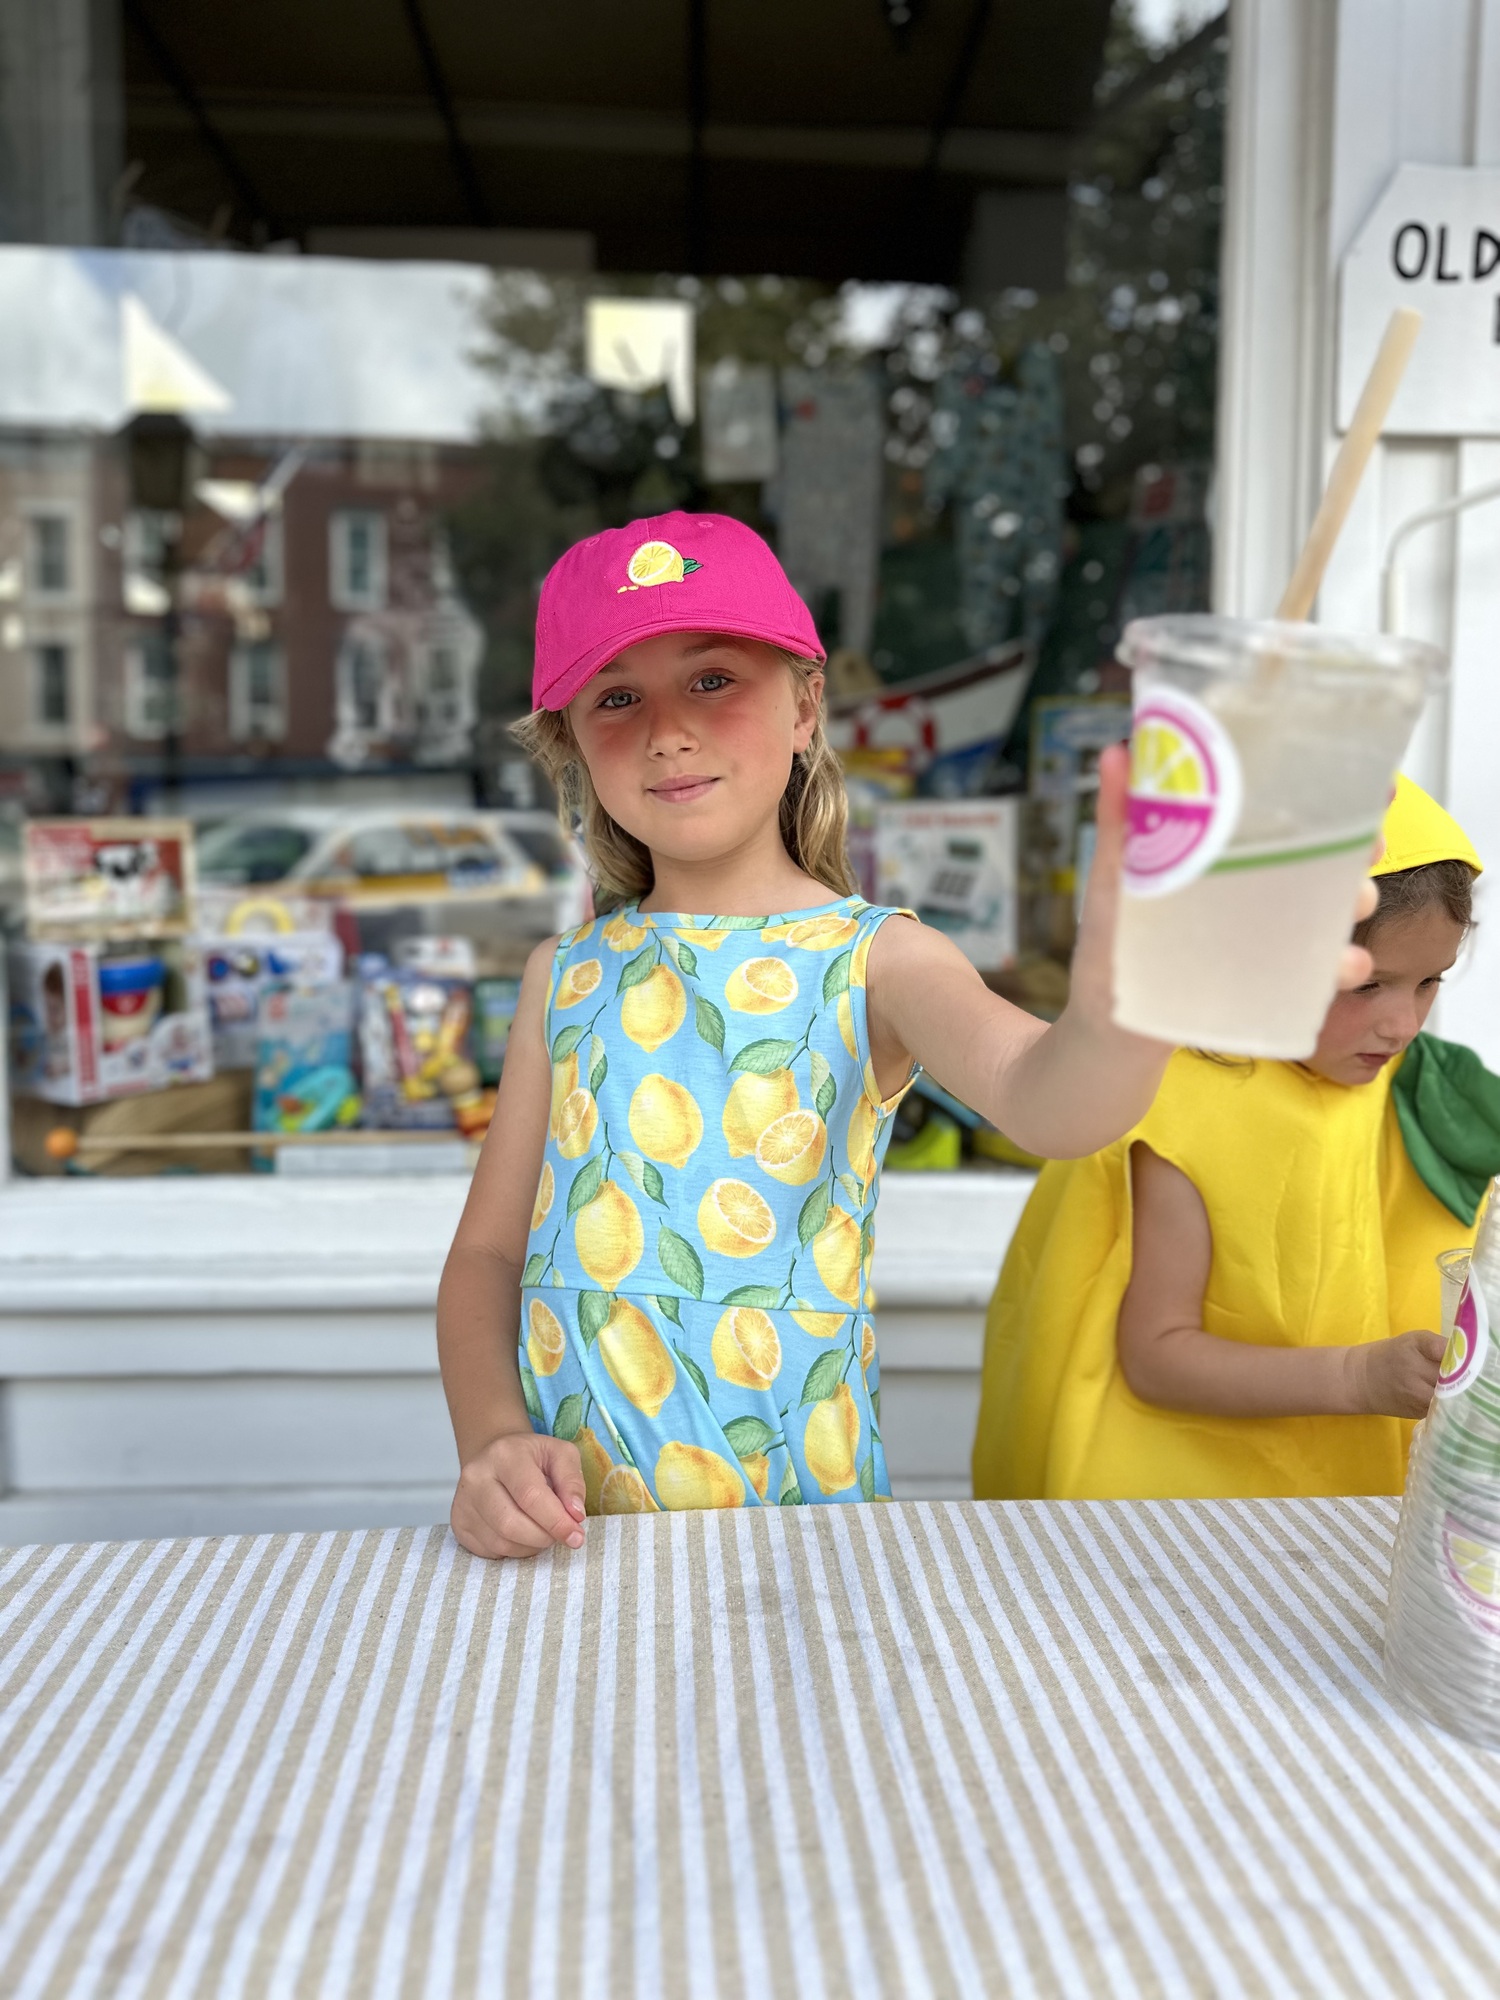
658	1295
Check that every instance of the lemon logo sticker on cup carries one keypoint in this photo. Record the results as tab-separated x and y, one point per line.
1468	1344
654	563
1185	793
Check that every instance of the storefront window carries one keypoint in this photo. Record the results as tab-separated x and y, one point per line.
293	641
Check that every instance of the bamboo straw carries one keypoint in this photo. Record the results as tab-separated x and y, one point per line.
1365	426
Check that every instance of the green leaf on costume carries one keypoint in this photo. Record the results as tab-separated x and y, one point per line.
652	1182
699	1380
836	978
687	958
814	1214
566	1040
745	1435
709	1022
636	969
635	1166
680	1261
529	1391
867	1477
669	1308
569	1418
823	1103
822	1378
586	1183
853	1188
536	1264
765	1296
761	1058
593	1311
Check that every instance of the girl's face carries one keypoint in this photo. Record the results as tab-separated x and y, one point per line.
1366	1029
689	740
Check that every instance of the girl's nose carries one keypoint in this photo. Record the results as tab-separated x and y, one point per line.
669	730
1397	1021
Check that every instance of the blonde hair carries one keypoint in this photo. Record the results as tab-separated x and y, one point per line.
814	806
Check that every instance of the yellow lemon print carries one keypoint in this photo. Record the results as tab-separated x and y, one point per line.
757	1469
752	1104
845	1011
859	964
703	939
734	1220
597	1466
836	1252
577	1122
623	1491
761	986
564	1083
791	1148
866	1347
862	1127
578	982
822	1326
830	1443
687	1476
545	1339
746	1349
665	1121
636	1356
658	562
621	935
608	1237
652	1012
546	1188
813	933
581	936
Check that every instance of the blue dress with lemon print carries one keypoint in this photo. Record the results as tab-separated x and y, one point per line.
696	1299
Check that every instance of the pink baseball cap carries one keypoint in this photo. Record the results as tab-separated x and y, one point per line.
669	573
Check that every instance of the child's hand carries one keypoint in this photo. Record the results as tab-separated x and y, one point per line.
1396	1377
519	1495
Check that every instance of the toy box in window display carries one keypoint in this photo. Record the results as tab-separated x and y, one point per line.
91	1022
955	865
243	970
115	879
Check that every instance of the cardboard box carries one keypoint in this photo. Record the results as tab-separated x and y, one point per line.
75	1042
955	865
108	880
242	970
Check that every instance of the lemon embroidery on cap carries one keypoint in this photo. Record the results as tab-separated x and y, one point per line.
654	563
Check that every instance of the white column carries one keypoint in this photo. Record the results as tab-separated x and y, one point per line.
61	120
1327	98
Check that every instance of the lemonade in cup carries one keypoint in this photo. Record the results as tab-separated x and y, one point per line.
1453	1270
1262	757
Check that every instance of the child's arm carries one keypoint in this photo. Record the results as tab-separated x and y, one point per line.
1060	1091
1167	1358
518	1493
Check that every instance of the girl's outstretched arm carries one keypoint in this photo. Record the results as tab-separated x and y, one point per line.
1168	1359
1060	1091
518	1493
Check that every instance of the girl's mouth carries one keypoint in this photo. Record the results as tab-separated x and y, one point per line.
1372	1061
682	791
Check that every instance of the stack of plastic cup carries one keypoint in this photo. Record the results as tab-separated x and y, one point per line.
1442	1630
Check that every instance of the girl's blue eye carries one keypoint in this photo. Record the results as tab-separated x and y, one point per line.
721	680
617	698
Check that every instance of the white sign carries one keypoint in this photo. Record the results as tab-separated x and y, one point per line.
1432	241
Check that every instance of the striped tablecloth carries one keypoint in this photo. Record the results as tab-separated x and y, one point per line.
914	1749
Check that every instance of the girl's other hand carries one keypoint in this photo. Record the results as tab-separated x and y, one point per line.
521	1494
1396	1377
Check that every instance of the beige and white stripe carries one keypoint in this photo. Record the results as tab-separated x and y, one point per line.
920	1749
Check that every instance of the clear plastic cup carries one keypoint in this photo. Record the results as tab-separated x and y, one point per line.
1453	1272
1261	765
1442	1629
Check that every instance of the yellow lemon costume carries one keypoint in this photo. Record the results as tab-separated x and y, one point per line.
1323	1235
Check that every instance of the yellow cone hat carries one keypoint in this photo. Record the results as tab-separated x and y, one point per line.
1416	831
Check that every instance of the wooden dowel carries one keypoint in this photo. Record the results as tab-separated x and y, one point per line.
1365	426
63	1143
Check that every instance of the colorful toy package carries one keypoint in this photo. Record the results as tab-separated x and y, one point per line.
304	1077
414	1049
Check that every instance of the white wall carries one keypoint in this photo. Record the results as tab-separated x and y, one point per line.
1327	98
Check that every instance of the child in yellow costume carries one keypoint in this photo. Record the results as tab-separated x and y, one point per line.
1232	1299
